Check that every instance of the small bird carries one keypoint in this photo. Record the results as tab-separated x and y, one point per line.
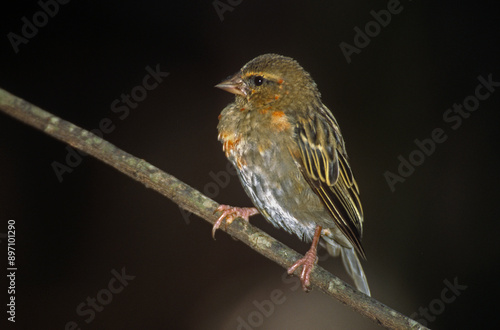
291	159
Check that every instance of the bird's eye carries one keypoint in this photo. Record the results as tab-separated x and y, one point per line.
258	80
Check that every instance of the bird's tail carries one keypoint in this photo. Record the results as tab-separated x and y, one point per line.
351	263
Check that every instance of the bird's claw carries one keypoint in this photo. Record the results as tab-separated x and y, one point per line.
307	263
229	213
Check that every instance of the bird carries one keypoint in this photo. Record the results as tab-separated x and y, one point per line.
291	159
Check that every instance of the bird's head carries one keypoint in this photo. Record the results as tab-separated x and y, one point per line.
271	80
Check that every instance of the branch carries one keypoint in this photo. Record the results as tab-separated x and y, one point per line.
197	203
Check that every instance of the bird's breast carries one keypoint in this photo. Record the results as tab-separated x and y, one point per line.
232	144
245	132
261	145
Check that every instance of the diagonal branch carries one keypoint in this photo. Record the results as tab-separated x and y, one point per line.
195	202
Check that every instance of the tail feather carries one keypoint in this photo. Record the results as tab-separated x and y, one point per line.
351	263
354	269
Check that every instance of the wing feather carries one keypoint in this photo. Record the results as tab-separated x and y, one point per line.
326	169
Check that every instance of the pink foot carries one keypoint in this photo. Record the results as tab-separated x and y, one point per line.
307	262
230	213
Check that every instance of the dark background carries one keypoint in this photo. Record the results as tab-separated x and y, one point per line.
440	224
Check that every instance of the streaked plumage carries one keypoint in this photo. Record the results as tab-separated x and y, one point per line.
291	159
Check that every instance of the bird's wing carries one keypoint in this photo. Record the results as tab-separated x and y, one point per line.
325	167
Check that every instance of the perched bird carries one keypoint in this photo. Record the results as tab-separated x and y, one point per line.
291	160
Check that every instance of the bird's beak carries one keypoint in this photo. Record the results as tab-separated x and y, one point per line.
234	85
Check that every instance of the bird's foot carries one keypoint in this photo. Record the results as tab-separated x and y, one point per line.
229	213
307	263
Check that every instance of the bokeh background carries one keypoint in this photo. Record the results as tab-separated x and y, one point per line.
440	224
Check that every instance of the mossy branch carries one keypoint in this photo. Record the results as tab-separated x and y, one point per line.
193	201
